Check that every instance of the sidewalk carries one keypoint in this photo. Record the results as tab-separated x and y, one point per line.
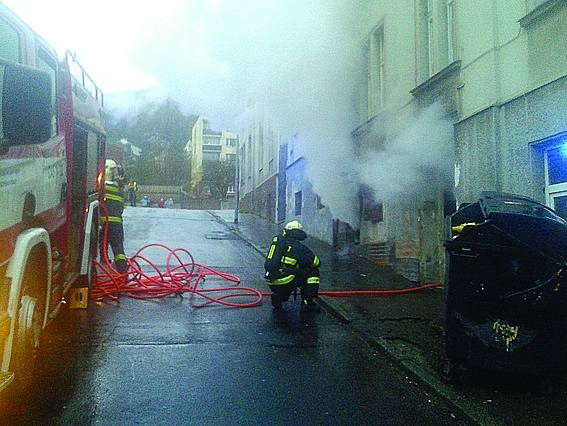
410	329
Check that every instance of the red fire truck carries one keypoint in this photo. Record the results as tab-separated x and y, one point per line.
52	142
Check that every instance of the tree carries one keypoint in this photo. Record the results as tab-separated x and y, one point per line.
219	175
161	130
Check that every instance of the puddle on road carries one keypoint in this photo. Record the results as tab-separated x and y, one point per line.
220	235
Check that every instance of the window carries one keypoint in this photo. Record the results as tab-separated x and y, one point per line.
373	212
557	165
47	63
261	144
250	153
213	148
319	204
450	31
430	42
231	157
298	203
211	140
9	50
447	35
10	46
556	179
375	58
211	156
271	165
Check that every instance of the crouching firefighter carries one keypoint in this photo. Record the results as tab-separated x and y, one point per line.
290	265
111	217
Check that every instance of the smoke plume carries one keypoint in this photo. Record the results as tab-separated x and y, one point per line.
413	152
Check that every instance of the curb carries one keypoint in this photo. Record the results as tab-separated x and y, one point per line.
474	413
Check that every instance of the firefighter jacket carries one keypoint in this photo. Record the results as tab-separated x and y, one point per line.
296	259
113	203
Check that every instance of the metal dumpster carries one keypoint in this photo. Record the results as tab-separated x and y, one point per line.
506	305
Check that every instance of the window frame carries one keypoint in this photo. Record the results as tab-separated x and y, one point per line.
21	43
450	10
298	203
552	190
430	37
375	59
43	54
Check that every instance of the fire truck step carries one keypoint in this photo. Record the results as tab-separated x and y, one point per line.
6	377
78	297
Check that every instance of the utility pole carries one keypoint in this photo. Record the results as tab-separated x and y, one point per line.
237	177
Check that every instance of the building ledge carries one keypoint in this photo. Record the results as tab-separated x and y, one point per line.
365	127
449	70
296	160
539	12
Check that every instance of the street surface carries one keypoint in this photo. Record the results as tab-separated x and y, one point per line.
166	362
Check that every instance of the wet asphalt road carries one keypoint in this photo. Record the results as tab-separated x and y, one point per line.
166	362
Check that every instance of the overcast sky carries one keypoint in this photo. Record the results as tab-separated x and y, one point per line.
111	37
204	53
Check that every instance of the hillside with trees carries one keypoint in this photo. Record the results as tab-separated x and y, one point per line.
161	130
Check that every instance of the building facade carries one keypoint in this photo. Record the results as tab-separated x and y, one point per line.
259	157
208	145
500	70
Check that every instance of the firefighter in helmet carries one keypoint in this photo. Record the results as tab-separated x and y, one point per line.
290	265
111	216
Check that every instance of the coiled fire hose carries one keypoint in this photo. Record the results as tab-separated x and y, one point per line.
183	275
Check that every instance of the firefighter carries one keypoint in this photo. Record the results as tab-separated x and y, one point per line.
111	216
132	191
290	265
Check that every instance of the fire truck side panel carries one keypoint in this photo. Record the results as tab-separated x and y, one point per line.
32	177
45	192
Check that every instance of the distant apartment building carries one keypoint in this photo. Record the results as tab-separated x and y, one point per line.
499	68
259	151
208	145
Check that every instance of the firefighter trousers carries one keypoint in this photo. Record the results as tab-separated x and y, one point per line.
307	280
116	242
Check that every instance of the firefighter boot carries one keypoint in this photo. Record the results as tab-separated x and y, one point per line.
277	302
308	306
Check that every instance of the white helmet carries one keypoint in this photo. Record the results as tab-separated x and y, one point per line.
110	167
294	224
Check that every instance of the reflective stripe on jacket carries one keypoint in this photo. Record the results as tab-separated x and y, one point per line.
113	203
283	280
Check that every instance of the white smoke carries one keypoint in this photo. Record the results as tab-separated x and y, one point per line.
404	164
300	59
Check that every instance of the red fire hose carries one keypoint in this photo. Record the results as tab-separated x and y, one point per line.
183	275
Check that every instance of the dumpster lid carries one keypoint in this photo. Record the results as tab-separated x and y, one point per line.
532	225
501	202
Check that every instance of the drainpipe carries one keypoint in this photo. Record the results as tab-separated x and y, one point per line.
237	177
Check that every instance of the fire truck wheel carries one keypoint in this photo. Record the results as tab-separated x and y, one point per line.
26	343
